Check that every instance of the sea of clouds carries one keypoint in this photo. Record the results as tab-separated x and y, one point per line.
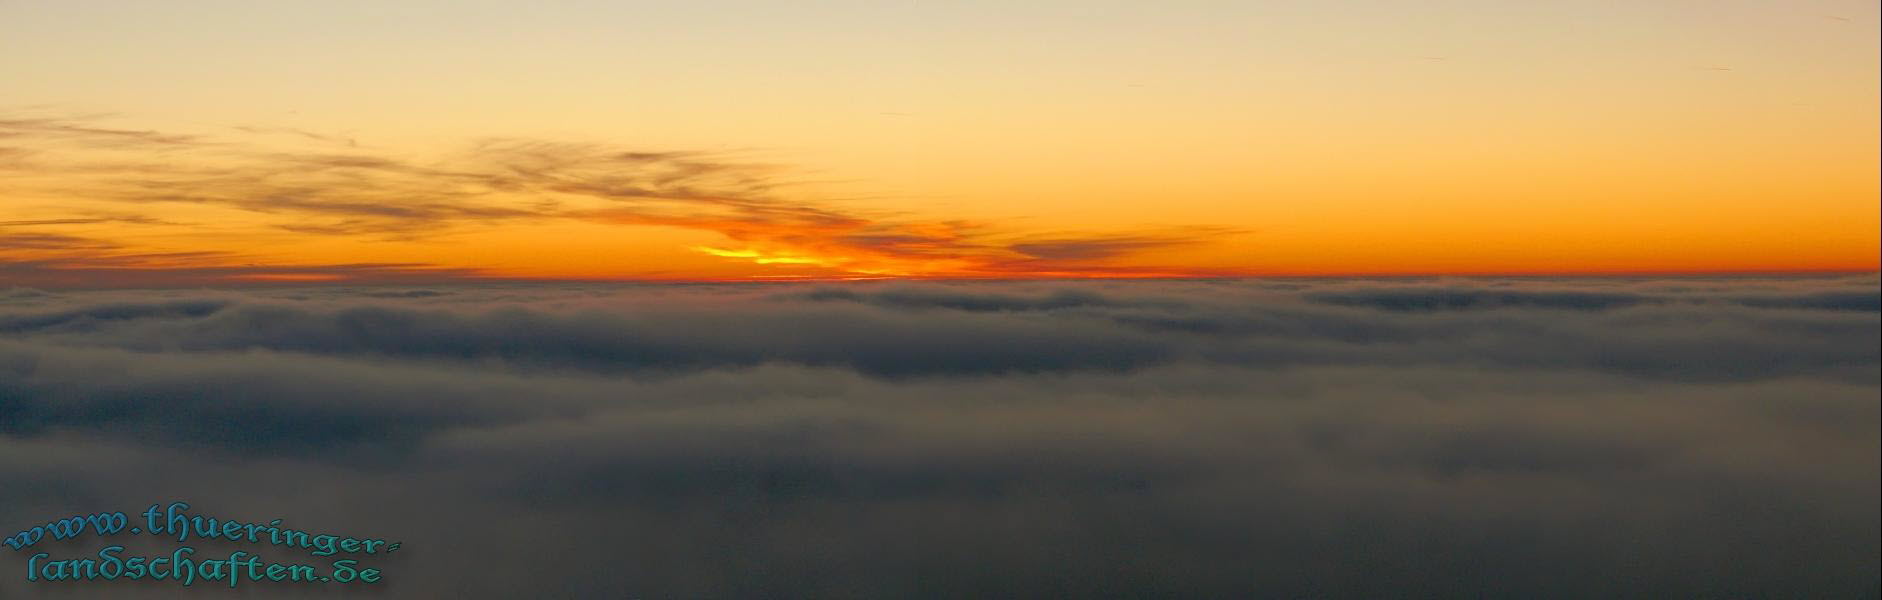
1674	437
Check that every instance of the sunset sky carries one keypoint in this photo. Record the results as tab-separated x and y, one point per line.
943	298
152	143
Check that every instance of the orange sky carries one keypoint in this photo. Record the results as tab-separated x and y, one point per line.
201	142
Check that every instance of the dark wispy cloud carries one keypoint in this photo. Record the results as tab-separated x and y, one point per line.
80	128
89	220
333	186
48	241
1098	248
132	270
301	133
1306	438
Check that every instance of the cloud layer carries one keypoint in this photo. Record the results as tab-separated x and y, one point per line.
1509	438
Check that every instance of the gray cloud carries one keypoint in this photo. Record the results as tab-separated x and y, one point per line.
1101	439
1453	299
968	330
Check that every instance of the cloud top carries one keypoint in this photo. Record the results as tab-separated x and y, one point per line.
1366	438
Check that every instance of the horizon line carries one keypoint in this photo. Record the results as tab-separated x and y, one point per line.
338	281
